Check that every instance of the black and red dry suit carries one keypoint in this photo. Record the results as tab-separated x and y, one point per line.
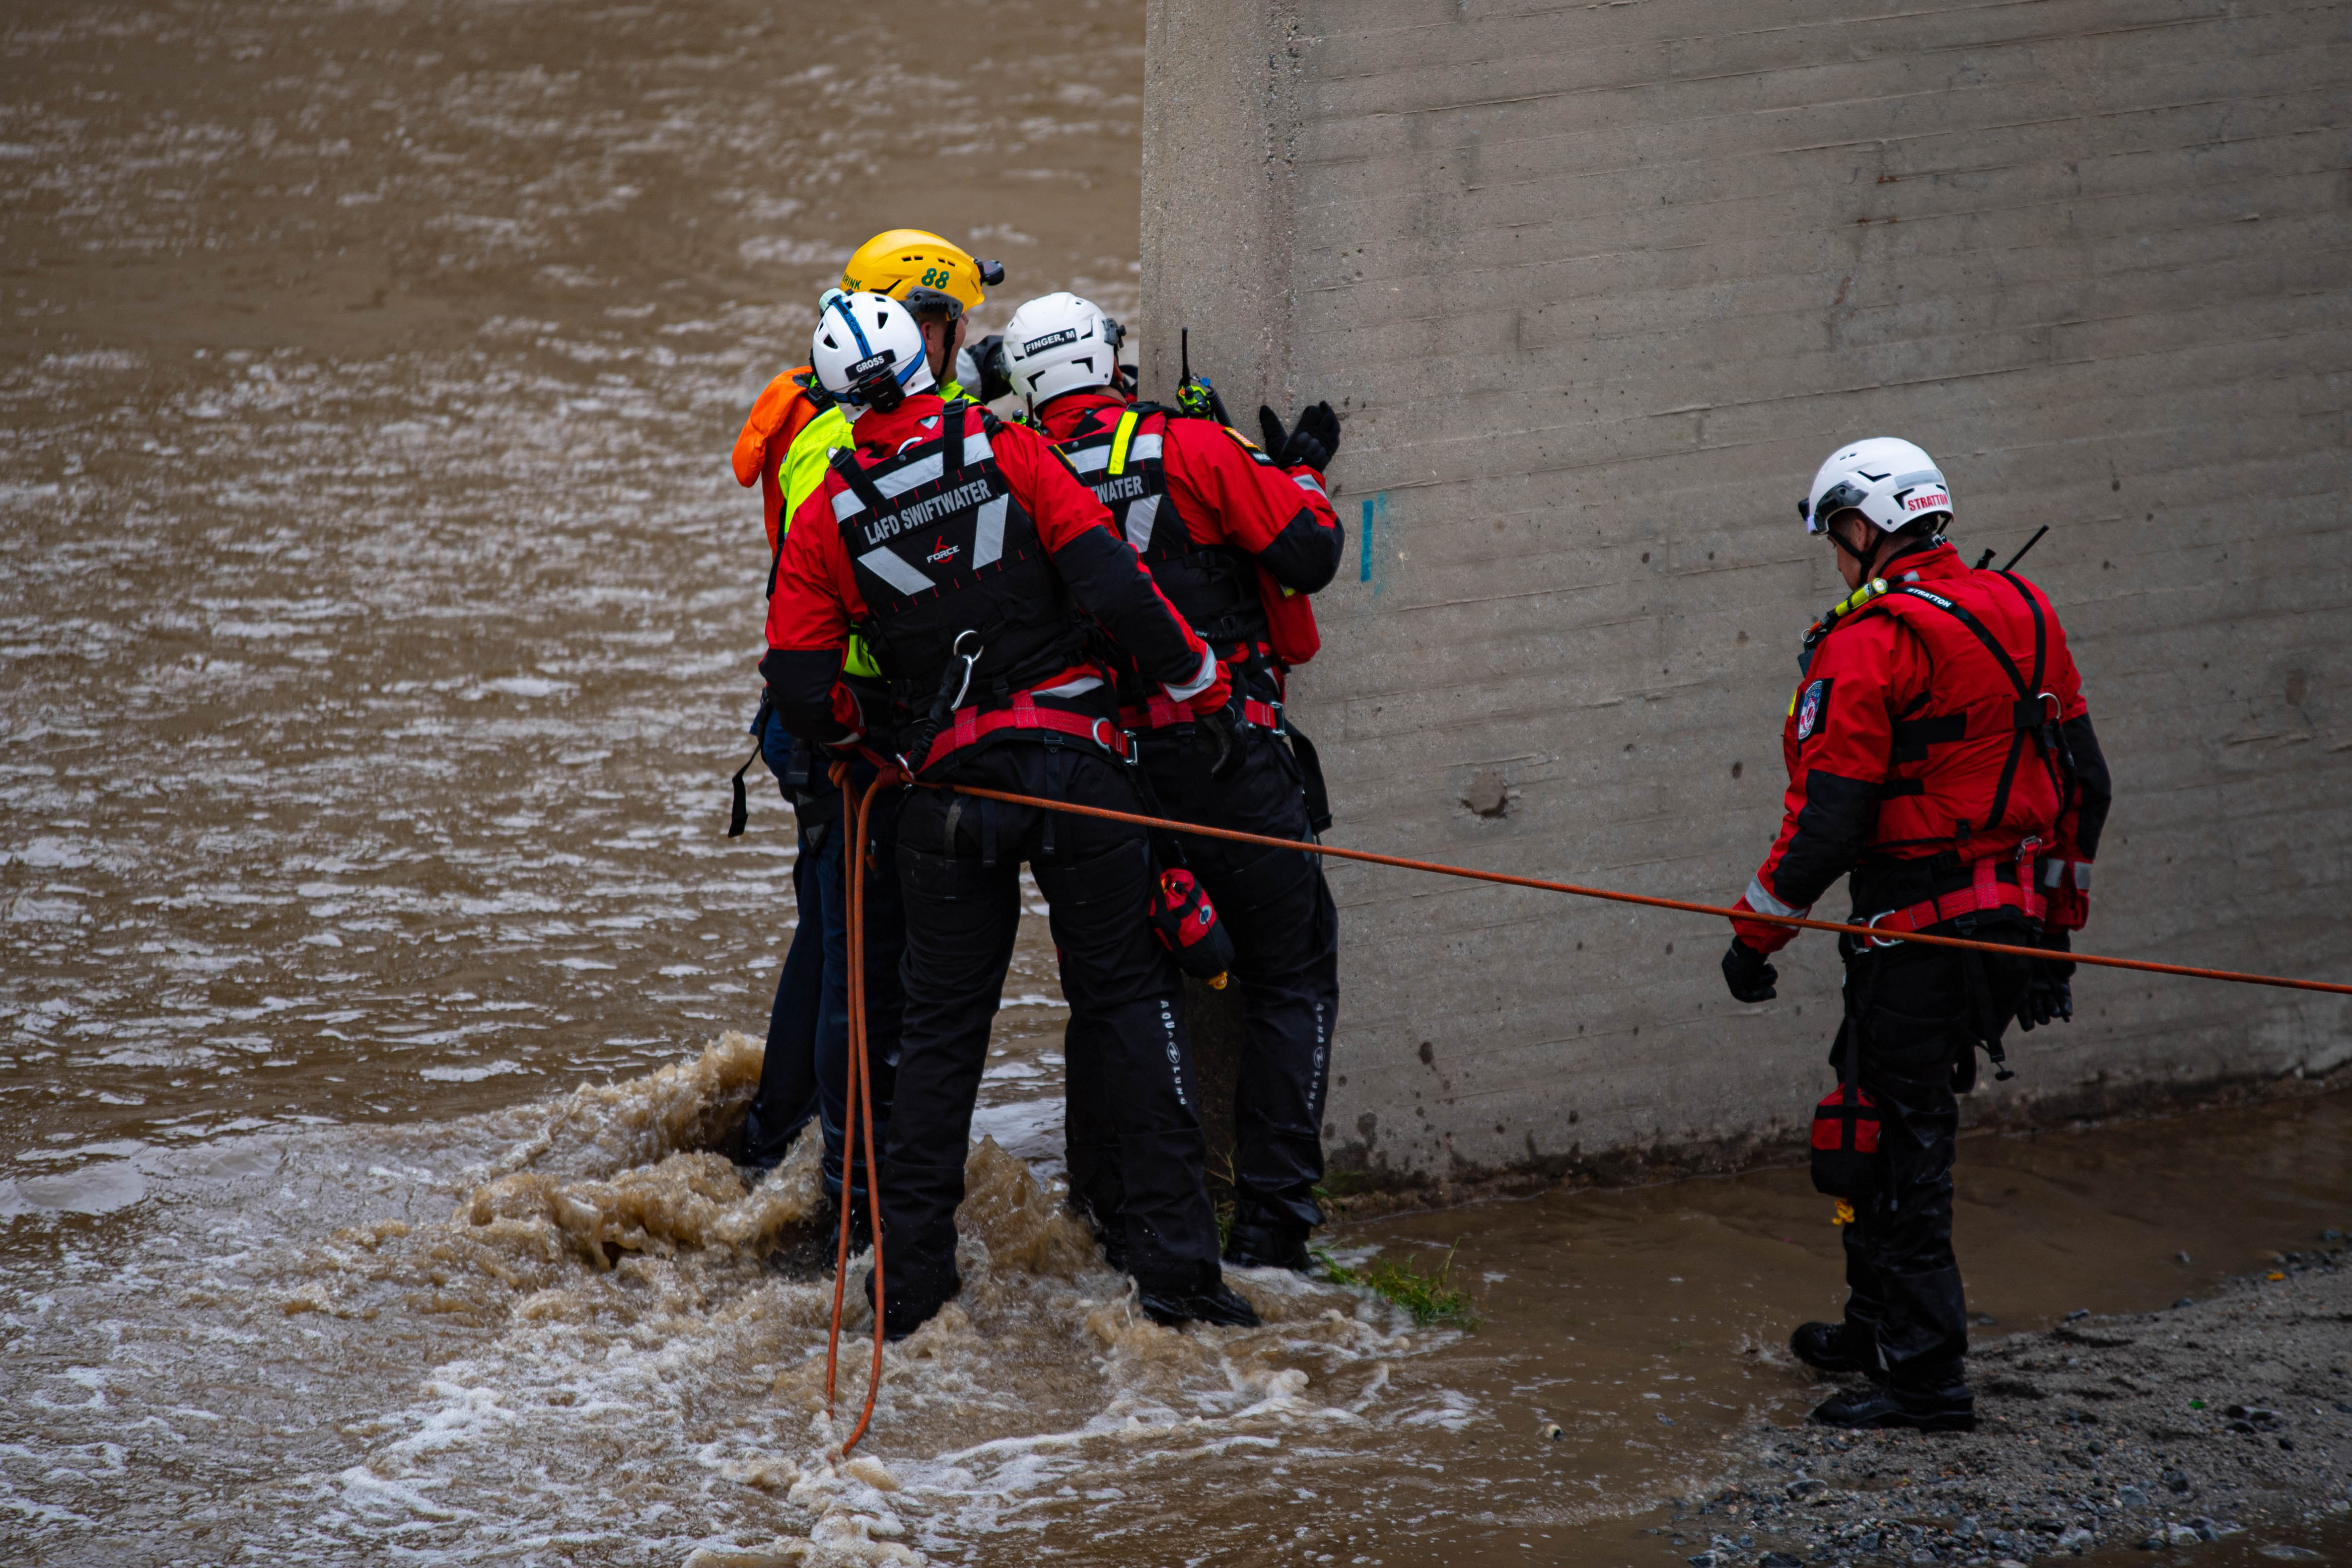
1237	543
1938	751
944	534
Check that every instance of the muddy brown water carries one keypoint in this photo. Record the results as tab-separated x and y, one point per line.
378	621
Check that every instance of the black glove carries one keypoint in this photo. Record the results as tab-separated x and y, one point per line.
2049	993
994	383
1215	733
1749	974
1311	441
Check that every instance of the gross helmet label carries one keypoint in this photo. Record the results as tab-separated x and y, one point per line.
1051	340
874	362
1809	709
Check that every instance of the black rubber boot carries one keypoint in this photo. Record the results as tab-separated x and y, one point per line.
1220	1304
1268	1247
911	1303
1952	1409
1832	1348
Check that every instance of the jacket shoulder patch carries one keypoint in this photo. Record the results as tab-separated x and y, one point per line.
1256	452
1811	706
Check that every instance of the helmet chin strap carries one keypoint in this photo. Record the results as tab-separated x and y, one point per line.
1839	540
1909	547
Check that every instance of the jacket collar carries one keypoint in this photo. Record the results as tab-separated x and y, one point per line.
1063	416
1924	566
916	419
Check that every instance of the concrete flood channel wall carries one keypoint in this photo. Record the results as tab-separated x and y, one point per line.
1595	289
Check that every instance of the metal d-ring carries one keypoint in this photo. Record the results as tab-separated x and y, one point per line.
955	651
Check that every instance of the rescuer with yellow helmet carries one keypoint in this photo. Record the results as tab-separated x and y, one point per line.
785	447
941	283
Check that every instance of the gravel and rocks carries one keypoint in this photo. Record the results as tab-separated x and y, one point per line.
2161	1430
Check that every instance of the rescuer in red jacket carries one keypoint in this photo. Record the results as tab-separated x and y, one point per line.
1939	751
1237	539
962	551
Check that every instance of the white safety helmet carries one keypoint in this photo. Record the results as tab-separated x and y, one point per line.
867	352
1060	343
1890	482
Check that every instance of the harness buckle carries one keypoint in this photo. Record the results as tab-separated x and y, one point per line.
1880	941
955	651
1105	735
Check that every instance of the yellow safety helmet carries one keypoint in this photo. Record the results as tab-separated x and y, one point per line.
916	266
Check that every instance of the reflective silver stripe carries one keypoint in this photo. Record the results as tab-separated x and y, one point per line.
1199	683
895	572
1090	459
1141	513
901	480
845	506
1764	903
976	448
987	539
1144	448
2083	875
2052	872
1307	482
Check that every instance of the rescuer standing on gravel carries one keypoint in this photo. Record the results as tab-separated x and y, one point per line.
791	433
1237	540
964	550
1940	750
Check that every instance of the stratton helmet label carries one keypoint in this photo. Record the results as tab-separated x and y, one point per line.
1809	709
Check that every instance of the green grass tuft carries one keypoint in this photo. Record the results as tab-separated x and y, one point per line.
1427	1297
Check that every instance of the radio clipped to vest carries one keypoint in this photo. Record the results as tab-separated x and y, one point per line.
1830	618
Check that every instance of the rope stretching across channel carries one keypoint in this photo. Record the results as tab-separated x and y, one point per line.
1687	907
860	1111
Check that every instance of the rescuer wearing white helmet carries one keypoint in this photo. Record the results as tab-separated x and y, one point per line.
1237	537
790	435
1939	751
868	351
1894	487
985	578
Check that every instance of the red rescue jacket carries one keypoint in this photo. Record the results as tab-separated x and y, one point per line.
1003	540
1937	723
1236	542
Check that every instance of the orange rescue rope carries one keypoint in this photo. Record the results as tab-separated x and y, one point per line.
858	1112
1683	904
